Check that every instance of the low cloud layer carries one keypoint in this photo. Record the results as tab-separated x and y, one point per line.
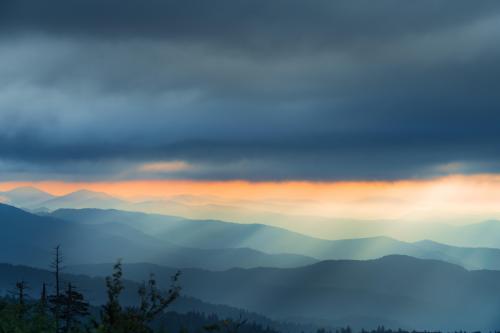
256	90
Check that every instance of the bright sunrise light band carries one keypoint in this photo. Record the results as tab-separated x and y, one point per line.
474	196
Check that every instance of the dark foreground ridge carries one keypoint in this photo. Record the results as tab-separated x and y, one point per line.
116	305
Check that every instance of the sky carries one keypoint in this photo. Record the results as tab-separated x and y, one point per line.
252	94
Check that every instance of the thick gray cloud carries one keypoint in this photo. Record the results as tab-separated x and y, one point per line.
260	90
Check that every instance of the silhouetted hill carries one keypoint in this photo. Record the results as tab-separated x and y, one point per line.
26	197
95	292
84	199
421	294
211	234
28	239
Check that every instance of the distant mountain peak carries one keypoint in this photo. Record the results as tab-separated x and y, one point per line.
85	192
84	199
27	190
26	197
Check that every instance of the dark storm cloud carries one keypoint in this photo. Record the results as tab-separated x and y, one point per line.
261	90
244	23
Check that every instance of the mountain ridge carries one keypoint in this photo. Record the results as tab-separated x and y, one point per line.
481	234
27	238
210	234
418	293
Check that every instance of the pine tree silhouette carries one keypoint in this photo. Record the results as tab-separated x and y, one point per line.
55	300
73	306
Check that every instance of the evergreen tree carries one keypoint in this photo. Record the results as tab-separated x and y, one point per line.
43	302
42	321
55	300
19	294
115	319
112	311
152	300
21	288
73	306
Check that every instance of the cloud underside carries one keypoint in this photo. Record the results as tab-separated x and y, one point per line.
257	90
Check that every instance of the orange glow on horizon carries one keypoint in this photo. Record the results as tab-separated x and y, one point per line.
229	189
474	195
252	190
